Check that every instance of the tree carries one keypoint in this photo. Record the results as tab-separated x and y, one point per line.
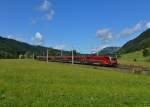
53	52
146	52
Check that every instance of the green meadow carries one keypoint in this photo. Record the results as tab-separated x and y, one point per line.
27	83
129	59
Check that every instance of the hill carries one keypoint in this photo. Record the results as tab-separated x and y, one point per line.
10	48
109	50
139	43
134	58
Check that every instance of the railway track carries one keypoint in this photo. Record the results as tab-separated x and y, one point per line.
122	68
128	68
135	69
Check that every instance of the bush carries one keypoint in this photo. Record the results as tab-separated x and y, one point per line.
146	52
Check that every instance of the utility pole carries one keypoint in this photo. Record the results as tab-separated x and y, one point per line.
61	52
47	56
33	56
97	53
72	56
43	53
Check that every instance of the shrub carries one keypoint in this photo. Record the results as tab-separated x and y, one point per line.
146	52
134	60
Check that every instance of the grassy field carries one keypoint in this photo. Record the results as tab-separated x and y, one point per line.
26	83
128	59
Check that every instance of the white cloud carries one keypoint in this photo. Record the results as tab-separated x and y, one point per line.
15	37
38	37
49	15
129	31
45	5
11	37
148	25
99	48
60	47
104	34
48	10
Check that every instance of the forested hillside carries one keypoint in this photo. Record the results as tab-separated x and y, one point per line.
139	43
10	48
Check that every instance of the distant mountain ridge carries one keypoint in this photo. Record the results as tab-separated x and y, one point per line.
109	50
139	43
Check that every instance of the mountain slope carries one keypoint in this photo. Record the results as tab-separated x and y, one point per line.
12	48
109	50
139	43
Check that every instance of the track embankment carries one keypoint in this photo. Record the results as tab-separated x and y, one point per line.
123	68
134	69
119	67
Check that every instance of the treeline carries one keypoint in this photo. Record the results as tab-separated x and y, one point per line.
30	54
56	52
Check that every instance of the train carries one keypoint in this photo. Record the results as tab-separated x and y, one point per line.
103	60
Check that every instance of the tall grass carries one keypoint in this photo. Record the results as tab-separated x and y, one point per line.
134	58
26	83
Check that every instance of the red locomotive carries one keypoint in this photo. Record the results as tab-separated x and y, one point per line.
104	60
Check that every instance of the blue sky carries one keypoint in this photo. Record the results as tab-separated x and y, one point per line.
87	25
